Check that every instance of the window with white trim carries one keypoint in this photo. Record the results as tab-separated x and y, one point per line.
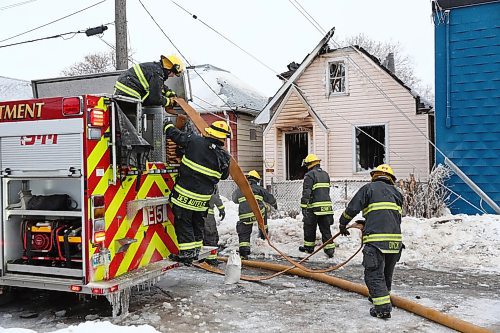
337	77
370	147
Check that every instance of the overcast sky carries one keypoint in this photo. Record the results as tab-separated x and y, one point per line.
272	30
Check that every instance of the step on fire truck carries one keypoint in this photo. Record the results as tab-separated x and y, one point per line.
84	187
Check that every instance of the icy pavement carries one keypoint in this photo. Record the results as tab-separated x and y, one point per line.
450	264
190	300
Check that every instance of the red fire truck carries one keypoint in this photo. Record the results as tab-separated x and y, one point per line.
84	187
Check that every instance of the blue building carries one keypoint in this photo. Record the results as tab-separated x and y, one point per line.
467	105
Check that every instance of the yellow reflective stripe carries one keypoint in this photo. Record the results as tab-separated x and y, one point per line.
183	205
320	204
243	244
247	215
383	238
199	243
141	77
187	246
306	243
168	126
192	195
389	251
324	213
210	211
212	256
127	90
200	168
380	206
303	205
220	207
346	216
330	246
381	300
320	185
257	197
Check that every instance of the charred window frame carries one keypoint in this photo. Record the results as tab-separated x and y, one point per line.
337	78
370	146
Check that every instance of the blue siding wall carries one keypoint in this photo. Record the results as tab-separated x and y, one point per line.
468	130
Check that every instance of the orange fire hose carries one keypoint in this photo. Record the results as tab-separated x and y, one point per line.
400	302
242	182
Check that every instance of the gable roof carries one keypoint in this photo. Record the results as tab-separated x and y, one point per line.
304	101
265	115
224	88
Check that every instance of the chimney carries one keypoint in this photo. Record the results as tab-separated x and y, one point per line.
389	62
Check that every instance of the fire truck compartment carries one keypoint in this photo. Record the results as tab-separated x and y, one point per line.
39	242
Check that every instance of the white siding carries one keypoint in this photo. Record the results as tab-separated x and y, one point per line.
363	105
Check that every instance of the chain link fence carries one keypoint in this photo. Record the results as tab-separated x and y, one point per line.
289	192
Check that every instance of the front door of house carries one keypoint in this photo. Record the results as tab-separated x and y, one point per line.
296	149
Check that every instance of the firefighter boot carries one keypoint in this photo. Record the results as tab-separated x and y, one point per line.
330	252
185	257
244	253
378	314
307	249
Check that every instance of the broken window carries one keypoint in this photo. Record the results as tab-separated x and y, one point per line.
370	147
253	134
337	77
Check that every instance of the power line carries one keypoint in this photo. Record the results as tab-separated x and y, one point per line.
338	47
16	4
89	32
194	69
51	22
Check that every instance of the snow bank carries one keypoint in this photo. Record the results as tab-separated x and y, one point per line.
465	242
91	326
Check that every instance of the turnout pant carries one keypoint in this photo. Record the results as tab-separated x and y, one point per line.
379	268
211	236
312	221
189	227
244	230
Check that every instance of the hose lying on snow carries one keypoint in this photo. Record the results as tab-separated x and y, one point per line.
400	302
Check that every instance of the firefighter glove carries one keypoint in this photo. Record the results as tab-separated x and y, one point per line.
222	214
343	230
167	124
170	93
170	102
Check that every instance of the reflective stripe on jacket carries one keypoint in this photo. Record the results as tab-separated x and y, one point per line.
316	192
380	203
145	82
204	163
261	194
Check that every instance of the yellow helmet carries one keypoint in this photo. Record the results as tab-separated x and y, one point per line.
254	174
173	63
384	169
311	158
219	129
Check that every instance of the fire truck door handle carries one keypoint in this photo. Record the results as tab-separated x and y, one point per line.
113	142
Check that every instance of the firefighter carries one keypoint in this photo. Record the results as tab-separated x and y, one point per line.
203	164
246	216
211	236
316	206
145	81
381	202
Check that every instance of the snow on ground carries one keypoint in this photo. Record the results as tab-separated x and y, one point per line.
465	242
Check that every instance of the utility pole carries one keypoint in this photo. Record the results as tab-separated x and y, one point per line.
121	34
